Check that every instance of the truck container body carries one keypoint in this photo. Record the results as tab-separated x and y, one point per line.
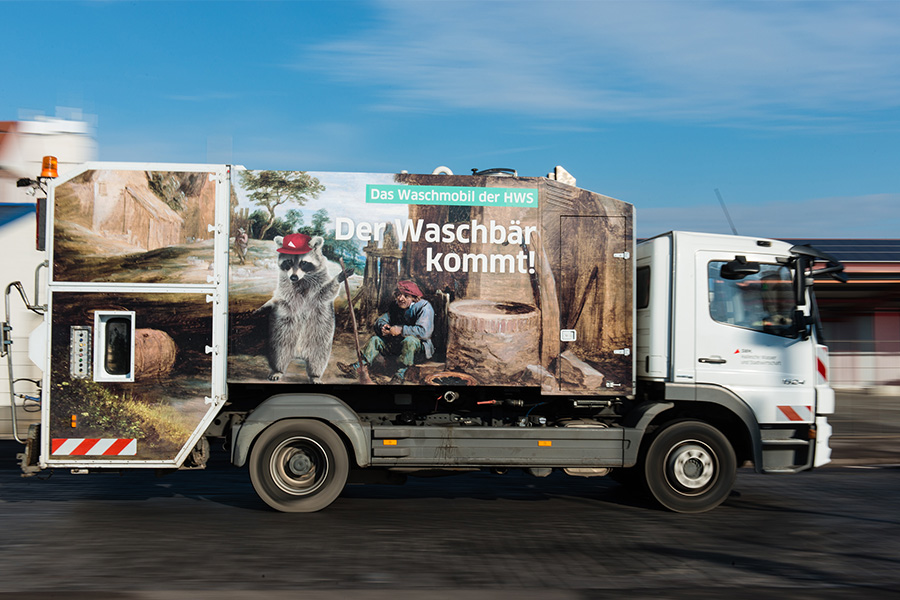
357	326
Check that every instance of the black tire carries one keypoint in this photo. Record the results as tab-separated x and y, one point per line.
299	465
690	467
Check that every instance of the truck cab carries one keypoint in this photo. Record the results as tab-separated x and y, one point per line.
728	323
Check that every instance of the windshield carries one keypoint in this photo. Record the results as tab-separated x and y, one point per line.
817	320
762	302
805	258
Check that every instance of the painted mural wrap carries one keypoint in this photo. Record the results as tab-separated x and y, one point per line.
113	229
453	281
152	415
134	227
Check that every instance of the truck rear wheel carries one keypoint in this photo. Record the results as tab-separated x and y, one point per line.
299	465
690	467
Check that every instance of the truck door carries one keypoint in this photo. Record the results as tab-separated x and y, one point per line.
745	340
595	290
137	314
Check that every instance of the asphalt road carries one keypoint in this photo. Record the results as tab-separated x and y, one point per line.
832	533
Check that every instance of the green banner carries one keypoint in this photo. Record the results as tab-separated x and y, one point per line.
439	194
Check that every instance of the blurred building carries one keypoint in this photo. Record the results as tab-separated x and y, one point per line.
861	318
23	144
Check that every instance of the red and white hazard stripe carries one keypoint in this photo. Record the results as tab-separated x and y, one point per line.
821	365
794	413
93	447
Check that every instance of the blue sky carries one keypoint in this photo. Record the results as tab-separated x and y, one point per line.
790	109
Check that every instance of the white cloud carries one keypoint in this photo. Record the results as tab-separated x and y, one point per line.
694	60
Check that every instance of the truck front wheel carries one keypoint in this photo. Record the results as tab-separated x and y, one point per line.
690	467
299	465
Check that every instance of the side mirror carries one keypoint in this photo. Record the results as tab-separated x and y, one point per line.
802	324
739	268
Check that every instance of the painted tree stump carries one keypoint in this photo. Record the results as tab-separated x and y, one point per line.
493	341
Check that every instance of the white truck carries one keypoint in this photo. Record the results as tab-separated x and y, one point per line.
335	327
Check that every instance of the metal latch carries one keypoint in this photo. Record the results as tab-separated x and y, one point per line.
5	338
624	255
623	351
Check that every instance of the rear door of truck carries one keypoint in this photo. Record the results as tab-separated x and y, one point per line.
136	312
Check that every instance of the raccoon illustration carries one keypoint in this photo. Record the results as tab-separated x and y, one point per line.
301	311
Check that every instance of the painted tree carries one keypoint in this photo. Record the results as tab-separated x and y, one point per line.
293	220
319	220
271	189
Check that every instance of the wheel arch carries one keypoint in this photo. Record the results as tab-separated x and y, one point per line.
320	407
724	410
714	405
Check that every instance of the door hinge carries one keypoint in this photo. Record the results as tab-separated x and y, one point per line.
623	351
622	255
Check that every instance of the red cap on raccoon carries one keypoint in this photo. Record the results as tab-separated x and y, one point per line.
295	243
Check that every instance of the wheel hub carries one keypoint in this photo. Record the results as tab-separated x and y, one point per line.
299	466
691	465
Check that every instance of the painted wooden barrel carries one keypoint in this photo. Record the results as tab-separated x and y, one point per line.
154	353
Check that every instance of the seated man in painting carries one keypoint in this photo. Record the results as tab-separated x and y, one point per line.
404	332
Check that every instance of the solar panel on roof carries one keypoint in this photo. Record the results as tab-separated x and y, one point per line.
859	250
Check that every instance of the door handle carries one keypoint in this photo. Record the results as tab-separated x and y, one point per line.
712	361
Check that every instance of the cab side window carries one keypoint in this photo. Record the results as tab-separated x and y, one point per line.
642	287
762	302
